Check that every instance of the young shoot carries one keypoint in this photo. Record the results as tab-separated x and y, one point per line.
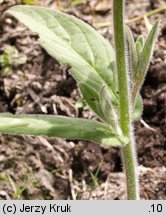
110	86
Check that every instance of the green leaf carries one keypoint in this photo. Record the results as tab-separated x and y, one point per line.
138	109
147	51
11	56
101	102
107	108
139	46
141	40
72	42
145	57
92	98
60	126
133	57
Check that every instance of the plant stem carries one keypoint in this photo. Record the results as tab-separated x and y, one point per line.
128	151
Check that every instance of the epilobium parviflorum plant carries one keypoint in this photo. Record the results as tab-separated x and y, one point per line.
109	80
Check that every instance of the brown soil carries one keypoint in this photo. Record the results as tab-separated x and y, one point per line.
62	169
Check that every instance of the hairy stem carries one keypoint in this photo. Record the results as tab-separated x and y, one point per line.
128	151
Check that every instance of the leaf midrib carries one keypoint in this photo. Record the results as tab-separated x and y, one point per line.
84	60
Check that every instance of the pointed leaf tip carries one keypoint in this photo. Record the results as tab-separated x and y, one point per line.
73	42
